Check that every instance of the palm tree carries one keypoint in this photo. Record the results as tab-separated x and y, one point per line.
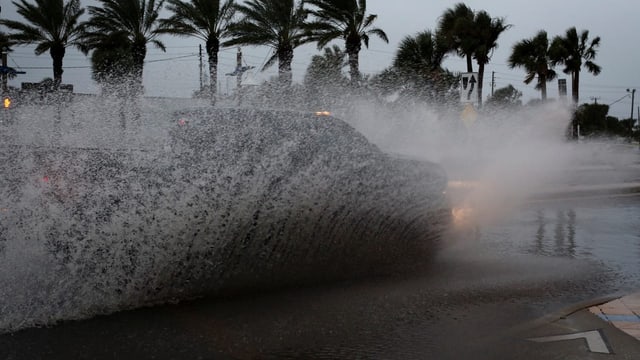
134	20
533	55
50	24
325	81
6	73
419	60
420	55
454	30
347	19
207	20
111	63
327	68
570	51
275	23
486	32
473	35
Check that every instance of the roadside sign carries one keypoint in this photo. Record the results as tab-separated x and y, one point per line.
469	88
562	88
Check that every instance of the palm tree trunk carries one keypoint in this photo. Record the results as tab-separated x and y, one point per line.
213	46
543	86
480	81
469	63
353	50
575	81
285	57
354	68
57	54
139	52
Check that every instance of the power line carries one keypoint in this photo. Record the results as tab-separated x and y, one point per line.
89	66
171	58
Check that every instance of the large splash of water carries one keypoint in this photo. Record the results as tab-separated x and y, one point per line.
494	163
103	208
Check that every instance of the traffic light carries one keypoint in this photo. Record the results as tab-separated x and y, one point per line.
7	102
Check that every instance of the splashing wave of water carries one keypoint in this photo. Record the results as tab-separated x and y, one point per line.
227	200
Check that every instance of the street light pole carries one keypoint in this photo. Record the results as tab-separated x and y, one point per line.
633	93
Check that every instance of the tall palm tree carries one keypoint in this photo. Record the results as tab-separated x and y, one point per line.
574	51
473	35
111	63
420	54
487	30
454	30
533	55
275	23
346	19
419	59
207	20
50	24
135	20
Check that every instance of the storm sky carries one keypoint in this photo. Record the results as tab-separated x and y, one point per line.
617	22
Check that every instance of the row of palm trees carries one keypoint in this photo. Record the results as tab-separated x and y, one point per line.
474	36
538	56
118	31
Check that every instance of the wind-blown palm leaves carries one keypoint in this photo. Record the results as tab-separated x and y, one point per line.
112	63
325	79
346	19
133	20
326	69
455	31
487	30
533	55
274	23
419	60
52	25
207	20
420	54
471	35
573	51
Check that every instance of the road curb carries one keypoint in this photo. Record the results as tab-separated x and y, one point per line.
567	311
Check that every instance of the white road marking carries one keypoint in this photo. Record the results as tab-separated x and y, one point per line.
594	339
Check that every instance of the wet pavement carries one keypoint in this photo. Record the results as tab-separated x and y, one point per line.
495	292
556	278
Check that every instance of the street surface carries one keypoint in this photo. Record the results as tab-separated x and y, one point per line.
517	287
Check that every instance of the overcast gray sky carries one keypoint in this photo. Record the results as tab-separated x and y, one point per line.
617	22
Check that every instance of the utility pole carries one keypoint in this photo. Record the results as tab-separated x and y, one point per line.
4	65
200	55
633	95
493	82
239	66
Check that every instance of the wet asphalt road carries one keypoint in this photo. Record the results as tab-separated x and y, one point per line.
470	301
464	303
